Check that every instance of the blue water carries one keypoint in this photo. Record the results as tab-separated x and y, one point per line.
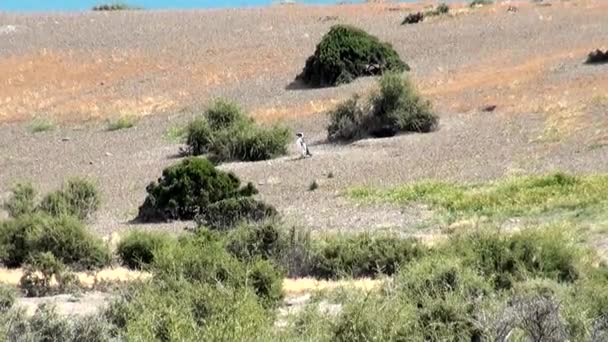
83	5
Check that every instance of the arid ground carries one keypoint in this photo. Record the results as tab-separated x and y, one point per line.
80	69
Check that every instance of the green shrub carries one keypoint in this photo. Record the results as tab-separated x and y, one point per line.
505	259
363	255
187	188
137	249
7	297
348	121
65	237
199	136
226	133
35	285
249	242
38	125
447	297
227	213
396	108
346	53
21	201
475	3
79	197
266	281
115	7
47	325
413	18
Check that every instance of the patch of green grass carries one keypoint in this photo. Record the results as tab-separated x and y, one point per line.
175	134
512	197
41	125
123	122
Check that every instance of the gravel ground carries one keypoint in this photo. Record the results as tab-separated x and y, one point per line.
80	68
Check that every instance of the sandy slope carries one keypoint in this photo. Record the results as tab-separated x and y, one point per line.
551	109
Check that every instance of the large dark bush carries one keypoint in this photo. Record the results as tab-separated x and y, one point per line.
397	107
346	53
65	237
225	133
187	188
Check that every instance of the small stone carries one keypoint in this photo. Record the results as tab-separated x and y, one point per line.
108	154
65	139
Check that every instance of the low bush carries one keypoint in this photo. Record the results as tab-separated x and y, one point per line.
362	255
46	324
65	237
225	133
203	258
346	53
546	254
21	201
397	107
137	249
597	56
79	197
114	7
187	189
477	3
7	297
413	18
227	213
40	272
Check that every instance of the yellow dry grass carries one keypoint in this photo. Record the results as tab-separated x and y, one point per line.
304	285
121	274
118	274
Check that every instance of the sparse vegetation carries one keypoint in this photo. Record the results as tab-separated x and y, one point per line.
346	53
115	7
397	107
517	196
41	125
313	186
477	3
188	188
225	133
124	122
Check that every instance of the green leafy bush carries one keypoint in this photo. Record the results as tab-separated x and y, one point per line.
203	258
65	237
546	253
346	53
397	107
137	249
226	133
363	255
21	201
79	197
188	188
227	213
